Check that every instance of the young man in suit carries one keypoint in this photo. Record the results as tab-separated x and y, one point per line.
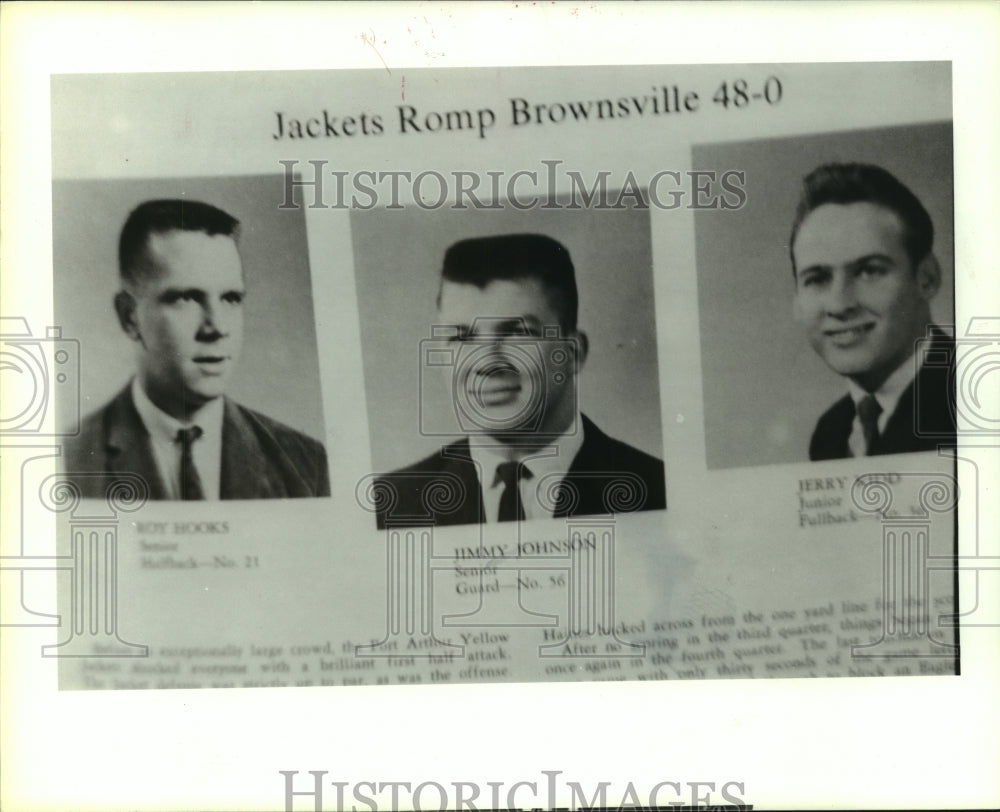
865	273
510	305
181	303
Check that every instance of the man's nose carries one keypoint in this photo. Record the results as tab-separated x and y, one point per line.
493	351
214	325
841	295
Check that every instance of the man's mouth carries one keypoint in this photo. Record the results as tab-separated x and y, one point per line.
210	363
849	336
497	386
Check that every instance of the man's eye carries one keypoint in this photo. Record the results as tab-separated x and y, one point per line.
873	269
813	280
234	297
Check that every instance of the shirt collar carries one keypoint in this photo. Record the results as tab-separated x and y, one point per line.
163	427
555	458
889	393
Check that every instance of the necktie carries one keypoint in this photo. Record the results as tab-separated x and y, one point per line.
868	412
511	506
190	481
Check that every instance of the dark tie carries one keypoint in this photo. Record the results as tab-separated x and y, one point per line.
868	412
190	481
511	474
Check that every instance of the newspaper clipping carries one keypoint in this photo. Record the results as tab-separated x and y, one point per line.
502	375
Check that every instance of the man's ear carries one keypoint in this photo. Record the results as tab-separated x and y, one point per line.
125	308
582	348
928	277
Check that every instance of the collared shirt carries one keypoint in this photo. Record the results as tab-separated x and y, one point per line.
552	461
887	395
206	451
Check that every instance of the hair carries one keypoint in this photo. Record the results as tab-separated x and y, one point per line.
481	260
162	216
866	183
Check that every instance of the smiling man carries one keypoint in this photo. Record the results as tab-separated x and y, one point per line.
507	313
865	273
181	304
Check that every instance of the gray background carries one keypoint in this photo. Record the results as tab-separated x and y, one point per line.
397	260
764	387
278	371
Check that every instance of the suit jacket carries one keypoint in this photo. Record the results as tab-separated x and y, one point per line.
606	476
923	420
261	458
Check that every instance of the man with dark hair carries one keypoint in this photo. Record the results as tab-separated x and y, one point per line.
181	303
865	273
509	306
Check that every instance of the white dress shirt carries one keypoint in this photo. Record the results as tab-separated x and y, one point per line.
887	395
206	451
553	460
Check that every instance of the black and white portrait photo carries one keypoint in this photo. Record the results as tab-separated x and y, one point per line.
511	357
830	338
193	307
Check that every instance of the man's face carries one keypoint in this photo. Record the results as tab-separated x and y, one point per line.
508	380
862	302
187	316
